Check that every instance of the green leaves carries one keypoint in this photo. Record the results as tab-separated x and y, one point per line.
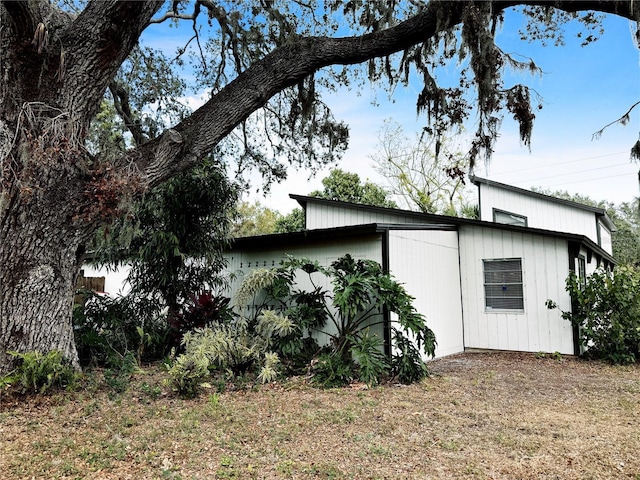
606	307
38	372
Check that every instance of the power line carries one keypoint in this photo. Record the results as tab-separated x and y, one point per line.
536	167
587	180
577	172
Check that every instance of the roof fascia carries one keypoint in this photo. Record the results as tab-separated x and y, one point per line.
478	180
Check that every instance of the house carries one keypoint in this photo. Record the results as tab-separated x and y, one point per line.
481	284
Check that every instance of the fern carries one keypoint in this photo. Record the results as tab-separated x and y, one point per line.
253	282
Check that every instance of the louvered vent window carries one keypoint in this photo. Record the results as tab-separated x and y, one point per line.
503	284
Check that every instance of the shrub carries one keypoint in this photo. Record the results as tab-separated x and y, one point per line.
232	347
606	308
106	327
37	372
203	309
228	347
367	352
187	373
331	370
361	291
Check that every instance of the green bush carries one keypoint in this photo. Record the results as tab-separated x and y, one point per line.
38	372
187	373
233	348
331	370
606	308
361	291
106	327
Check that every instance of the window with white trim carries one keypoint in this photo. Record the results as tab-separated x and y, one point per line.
503	284
508	218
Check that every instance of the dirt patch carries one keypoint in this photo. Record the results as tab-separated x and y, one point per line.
481	415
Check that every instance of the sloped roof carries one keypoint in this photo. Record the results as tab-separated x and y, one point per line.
427	221
600	212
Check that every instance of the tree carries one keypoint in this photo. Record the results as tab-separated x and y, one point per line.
342	186
173	239
427	181
291	222
261	64
254	219
626	239
348	187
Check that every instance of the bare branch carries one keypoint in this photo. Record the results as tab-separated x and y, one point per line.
623	120
123	107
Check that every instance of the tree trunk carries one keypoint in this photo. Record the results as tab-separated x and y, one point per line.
42	235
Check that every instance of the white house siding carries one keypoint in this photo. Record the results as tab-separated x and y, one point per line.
242	262
545	266
540	213
605	238
114	279
329	216
427	263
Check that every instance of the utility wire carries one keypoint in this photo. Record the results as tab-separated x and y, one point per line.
536	167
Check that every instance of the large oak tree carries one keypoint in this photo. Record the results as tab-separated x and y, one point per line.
59	59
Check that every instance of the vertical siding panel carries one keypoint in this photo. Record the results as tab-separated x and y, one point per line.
540	212
544	263
426	262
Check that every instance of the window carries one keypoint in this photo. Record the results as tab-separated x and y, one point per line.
500	216
503	284
582	270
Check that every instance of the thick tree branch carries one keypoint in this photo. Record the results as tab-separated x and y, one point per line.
24	16
195	137
96	44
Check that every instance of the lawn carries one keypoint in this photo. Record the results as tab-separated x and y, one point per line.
481	415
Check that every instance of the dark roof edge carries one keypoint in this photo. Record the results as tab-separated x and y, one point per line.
524	191
262	241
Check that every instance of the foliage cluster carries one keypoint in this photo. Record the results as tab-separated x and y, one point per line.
230	348
606	309
254	219
38	372
343	186
425	172
173	240
276	329
108	330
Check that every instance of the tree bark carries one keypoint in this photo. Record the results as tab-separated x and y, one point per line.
41	250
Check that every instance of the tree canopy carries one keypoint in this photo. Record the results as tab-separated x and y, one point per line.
342	186
426	181
264	65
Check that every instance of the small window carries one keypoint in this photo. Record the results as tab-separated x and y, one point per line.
582	270
500	216
503	284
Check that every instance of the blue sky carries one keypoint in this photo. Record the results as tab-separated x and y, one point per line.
583	89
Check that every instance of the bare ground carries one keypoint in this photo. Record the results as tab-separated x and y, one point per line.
482	415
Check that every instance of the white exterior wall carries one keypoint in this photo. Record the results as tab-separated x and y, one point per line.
605	238
330	216
540	213
426	262
242	262
115	280
545	266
